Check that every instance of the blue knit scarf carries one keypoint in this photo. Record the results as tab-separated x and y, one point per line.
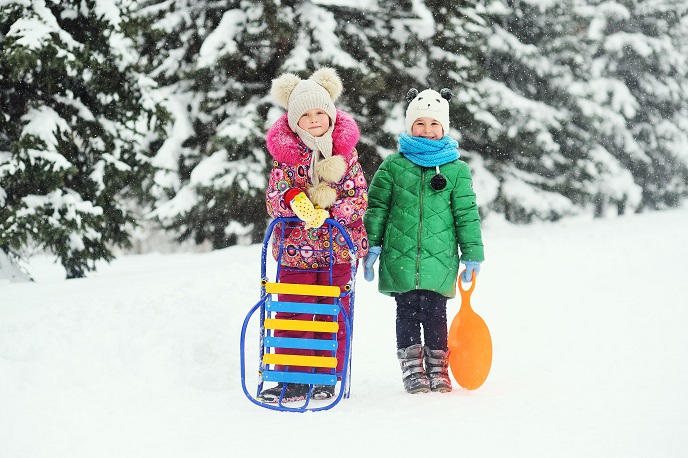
426	152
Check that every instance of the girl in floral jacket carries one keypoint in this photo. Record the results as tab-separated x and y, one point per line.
315	175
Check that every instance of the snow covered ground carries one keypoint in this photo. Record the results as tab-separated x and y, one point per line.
588	318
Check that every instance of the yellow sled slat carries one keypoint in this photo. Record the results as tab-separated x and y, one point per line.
302	290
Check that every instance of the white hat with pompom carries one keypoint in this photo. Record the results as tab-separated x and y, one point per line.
299	96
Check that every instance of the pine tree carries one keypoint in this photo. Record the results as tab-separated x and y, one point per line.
381	53
73	124
641	57
215	62
538	142
535	118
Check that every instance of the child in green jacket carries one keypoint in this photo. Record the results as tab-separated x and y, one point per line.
421	210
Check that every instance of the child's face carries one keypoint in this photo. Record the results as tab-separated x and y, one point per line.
427	128
316	122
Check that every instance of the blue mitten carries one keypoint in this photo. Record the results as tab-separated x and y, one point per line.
369	261
471	266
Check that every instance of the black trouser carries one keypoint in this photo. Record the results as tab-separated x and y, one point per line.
426	308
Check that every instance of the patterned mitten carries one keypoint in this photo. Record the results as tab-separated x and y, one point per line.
320	216
302	206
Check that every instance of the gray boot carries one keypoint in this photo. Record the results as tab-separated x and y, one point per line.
412	373
436	362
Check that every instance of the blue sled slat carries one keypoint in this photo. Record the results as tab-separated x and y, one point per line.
299	377
307	344
302	307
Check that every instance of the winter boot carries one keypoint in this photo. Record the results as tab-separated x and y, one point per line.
292	393
321	392
412	373
436	362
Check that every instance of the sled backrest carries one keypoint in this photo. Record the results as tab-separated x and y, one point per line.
307	364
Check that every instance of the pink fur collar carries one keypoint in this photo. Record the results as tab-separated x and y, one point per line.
284	147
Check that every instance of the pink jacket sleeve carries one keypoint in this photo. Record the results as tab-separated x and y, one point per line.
279	184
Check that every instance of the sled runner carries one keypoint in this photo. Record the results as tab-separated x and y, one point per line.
275	364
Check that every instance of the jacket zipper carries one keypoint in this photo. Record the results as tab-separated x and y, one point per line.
420	227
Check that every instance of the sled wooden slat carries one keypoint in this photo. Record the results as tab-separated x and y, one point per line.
301	325
300	360
309	344
302	290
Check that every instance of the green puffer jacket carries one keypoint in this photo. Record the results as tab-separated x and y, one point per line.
420	229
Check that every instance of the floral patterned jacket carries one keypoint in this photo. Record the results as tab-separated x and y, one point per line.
309	248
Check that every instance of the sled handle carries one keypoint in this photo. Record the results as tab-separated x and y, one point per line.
469	290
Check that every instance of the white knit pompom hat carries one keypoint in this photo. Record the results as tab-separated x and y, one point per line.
428	104
298	96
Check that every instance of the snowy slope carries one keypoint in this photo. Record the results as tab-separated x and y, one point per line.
588	320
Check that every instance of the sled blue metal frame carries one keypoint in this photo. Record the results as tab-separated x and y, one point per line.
267	306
